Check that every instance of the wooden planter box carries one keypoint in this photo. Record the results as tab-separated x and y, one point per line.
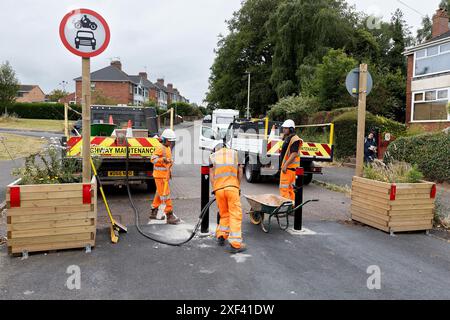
393	207
51	217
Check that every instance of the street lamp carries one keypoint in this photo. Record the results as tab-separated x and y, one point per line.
63	85
248	95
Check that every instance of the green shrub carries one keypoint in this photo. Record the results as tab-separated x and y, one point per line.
297	108
327	116
54	111
430	152
346	129
393	172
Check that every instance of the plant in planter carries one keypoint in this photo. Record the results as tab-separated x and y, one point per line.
48	208
393	197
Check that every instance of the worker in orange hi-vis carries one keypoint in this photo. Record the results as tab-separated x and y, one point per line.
290	159
225	176
162	166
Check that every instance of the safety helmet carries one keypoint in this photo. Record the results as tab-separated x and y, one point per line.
289	124
169	135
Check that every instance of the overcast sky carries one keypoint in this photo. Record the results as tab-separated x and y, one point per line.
173	39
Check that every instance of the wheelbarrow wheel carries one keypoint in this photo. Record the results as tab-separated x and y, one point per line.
256	217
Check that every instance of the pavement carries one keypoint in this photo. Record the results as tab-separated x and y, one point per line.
333	261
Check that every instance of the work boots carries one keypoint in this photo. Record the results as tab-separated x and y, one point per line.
234	250
153	214
172	219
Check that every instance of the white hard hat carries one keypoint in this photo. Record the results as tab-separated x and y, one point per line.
288	124
169	134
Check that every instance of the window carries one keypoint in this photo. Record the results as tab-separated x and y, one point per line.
432	108
432	60
135	90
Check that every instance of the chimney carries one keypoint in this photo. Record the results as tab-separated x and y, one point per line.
143	75
170	86
160	82
440	23
117	64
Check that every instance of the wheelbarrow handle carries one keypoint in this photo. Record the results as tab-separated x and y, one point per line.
304	203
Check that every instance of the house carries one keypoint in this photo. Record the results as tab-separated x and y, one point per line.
428	78
161	93
111	85
30	93
70	99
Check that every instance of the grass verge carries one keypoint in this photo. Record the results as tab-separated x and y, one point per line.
32	124
18	146
333	187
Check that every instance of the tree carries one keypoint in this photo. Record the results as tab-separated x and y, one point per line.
328	82
445	4
401	38
424	33
245	49
57	94
9	85
304	31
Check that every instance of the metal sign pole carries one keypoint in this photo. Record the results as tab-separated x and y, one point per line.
361	119
86	114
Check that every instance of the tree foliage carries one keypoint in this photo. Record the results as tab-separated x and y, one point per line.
9	85
306	47
57	94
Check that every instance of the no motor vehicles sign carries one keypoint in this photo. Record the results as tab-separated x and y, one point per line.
84	33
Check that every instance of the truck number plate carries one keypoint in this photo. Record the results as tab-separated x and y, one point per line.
120	173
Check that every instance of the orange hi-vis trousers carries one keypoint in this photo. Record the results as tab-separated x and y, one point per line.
230	211
162	195
287	183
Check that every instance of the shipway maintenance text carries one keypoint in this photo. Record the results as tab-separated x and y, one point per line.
227	310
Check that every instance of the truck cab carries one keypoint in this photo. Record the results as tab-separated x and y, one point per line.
215	127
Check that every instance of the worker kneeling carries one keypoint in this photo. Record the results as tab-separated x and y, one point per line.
162	173
225	176
290	159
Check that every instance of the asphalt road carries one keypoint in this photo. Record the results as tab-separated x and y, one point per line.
329	262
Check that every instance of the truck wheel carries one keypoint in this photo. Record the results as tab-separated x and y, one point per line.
150	186
251	175
307	178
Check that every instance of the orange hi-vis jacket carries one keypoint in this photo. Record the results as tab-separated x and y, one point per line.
296	163
226	169
161	170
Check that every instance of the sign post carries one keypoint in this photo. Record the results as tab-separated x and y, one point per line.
86	115
359	84
361	119
85	33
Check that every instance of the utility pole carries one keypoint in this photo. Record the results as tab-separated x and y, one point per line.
248	96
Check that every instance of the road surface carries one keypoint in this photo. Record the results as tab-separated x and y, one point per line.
333	261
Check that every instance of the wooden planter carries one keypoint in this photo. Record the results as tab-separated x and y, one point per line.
51	217
393	207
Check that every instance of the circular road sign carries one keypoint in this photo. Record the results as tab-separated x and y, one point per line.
84	32
352	82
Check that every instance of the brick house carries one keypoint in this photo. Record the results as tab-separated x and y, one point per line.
30	93
112	84
428	78
70	99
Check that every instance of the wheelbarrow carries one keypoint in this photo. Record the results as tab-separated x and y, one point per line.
271	205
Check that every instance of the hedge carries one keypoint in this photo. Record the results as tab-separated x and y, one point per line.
345	127
54	111
430	152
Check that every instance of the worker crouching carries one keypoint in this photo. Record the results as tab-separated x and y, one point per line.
225	176
290	160
162	173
